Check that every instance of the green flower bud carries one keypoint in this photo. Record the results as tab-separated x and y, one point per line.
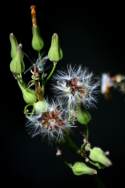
55	53
37	41
80	168
83	116
14	45
29	95
98	155
40	106
17	65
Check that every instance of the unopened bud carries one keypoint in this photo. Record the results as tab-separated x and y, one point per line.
80	168
37	41
83	116
29	95
98	155
14	45
17	65
55	53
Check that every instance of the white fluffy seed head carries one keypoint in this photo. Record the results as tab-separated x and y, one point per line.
76	86
51	123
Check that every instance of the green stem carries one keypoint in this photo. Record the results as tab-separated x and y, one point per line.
87	133
74	147
68	164
52	71
39	55
69	142
20	82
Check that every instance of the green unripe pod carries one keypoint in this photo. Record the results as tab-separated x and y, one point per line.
17	65
98	155
55	53
14	45
29	95
37	41
80	168
83	116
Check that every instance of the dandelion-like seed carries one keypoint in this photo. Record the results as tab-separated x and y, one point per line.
76	87
51	123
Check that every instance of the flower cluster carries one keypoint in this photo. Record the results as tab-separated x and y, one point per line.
75	92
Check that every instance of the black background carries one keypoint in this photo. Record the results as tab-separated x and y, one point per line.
92	34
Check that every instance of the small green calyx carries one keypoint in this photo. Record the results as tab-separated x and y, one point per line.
14	45
80	168
98	155
17	65
37	41
55	53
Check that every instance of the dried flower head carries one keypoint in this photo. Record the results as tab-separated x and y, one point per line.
75	87
51	123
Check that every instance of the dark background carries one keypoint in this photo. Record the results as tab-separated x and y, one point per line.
92	34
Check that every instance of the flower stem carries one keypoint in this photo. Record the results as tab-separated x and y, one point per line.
52	71
69	142
39	55
87	133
